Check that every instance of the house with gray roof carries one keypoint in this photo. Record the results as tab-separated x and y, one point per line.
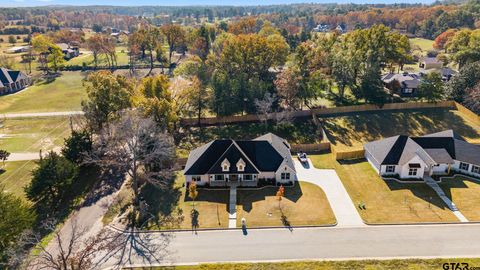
241	162
446	72
13	80
433	154
68	50
429	63
404	83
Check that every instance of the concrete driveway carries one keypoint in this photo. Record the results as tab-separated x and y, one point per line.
342	206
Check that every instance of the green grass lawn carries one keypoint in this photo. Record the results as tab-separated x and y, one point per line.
63	94
404	264
212	207
465	193
16	175
303	204
33	134
172	206
386	201
352	131
87	58
422	44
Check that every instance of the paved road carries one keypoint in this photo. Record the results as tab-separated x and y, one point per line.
407	241
40	114
328	180
23	156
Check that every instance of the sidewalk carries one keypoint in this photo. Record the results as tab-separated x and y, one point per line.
232	208
434	185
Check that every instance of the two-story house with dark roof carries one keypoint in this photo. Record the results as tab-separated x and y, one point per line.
241	162
432	154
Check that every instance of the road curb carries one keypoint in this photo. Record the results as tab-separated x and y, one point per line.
225	229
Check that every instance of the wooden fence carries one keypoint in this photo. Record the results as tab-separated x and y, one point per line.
310	148
209	121
348	154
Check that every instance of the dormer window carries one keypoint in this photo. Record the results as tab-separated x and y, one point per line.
241	165
225	165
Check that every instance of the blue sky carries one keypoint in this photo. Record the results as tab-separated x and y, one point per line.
13	3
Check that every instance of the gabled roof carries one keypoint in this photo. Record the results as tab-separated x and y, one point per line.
262	154
440	155
445	133
409	80
281	145
467	152
5	76
436	148
430	60
14	75
233	155
201	159
446	143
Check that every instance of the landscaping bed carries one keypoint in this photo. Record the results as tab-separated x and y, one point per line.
386	201
303	204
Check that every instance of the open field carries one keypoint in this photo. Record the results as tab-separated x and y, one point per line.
421	44
465	194
353	130
303	204
87	58
63	94
411	264
386	201
33	134
17	175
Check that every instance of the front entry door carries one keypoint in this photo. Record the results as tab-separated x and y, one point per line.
233	178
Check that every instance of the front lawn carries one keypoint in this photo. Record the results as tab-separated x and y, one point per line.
465	193
404	264
33	134
386	201
64	93
352	131
303	204
171	206
16	175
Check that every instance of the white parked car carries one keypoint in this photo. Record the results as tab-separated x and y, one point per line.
302	157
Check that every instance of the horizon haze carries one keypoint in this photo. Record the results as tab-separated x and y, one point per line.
35	3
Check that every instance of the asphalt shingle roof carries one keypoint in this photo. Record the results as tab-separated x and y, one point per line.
265	153
441	147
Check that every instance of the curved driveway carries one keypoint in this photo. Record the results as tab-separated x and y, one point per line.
340	202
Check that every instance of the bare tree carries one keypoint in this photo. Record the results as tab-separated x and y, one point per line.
136	145
72	249
68	251
472	99
284	116
265	107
